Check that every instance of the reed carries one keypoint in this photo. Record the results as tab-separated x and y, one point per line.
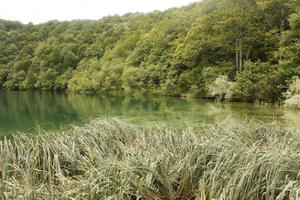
109	159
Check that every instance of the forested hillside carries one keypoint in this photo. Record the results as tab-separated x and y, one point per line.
246	49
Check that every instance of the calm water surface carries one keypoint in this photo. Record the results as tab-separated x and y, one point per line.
26	111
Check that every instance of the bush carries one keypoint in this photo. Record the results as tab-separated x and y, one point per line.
260	81
293	102
221	88
293	94
170	88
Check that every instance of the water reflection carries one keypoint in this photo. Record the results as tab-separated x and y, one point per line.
23	111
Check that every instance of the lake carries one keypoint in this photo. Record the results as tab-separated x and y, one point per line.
31	111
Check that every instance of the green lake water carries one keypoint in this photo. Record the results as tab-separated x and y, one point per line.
26	111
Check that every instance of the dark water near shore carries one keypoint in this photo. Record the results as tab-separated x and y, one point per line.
26	111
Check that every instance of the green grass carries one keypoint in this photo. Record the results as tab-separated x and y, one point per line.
114	160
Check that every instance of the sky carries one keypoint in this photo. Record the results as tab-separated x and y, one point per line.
39	11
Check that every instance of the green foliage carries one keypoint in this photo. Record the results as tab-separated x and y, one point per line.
178	51
85	77
259	81
142	79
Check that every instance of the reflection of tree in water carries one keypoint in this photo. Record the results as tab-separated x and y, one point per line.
255	112
24	110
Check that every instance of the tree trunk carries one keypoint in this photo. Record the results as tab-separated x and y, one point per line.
241	55
281	31
237	54
248	53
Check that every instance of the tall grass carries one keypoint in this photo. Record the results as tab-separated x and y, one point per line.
114	160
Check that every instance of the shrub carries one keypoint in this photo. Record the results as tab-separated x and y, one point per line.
221	88
293	94
250	80
170	88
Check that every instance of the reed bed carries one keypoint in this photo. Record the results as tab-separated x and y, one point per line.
109	159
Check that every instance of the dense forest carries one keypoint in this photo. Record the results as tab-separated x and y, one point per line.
246	50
